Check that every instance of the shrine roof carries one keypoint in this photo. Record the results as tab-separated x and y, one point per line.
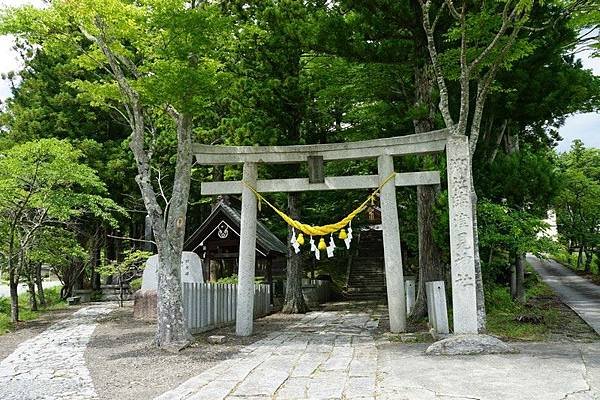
265	239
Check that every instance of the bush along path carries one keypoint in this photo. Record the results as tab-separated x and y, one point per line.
52	365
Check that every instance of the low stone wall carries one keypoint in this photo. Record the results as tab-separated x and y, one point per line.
144	304
316	291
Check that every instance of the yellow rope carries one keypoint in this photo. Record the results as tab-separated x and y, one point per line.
325	229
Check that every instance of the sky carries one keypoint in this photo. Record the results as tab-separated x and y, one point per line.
584	126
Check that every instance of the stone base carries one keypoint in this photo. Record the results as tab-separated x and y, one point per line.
144	304
470	344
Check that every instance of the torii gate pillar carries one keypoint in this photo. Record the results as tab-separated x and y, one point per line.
392	252
245	296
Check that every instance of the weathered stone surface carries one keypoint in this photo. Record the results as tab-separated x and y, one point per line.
52	364
285	365
467	345
391	247
462	247
191	270
320	357
144	304
216	339
245	290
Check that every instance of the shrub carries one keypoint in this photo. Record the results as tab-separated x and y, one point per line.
135	284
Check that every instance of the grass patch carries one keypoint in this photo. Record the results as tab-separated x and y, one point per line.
25	314
569	260
542	314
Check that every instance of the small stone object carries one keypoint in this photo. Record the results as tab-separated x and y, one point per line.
470	344
216	339
145	304
73	301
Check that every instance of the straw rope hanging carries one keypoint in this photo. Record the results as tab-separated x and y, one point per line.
322	230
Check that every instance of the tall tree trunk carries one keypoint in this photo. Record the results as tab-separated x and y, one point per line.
294	299
580	256
33	305
588	261
39	283
429	252
14	295
520	272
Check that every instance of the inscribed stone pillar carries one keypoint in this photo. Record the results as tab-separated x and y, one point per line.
462	248
245	295
391	247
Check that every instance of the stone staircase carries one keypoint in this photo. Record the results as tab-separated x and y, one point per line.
111	292
366	280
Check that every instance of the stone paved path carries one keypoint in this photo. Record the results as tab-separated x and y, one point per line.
52	365
336	355
578	293
325	355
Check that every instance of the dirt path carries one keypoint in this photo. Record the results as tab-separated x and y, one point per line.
124	364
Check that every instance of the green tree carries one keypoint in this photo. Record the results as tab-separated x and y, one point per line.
578	202
160	60
43	184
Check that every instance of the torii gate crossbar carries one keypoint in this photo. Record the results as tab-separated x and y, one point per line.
460	207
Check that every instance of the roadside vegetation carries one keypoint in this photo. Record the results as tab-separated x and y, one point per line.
53	302
541	317
578	211
95	135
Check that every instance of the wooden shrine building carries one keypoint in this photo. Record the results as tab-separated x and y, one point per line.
217	242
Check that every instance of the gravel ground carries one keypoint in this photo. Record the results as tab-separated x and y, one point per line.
29	329
124	364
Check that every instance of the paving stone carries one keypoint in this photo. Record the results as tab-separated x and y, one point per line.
363	386
327	385
52	364
308	363
215	390
293	388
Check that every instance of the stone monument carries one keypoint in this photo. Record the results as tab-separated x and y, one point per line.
144	303
191	270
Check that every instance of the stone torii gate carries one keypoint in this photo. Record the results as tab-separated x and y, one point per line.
459	194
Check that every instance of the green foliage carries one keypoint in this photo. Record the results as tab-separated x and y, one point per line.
233	279
523	180
46	175
516	231
134	261
578	203
135	284
531	321
53	300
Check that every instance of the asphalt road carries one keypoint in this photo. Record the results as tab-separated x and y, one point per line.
578	293
5	290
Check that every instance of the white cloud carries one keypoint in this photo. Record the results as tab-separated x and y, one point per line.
585	126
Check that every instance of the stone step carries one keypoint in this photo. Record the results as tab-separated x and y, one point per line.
115	297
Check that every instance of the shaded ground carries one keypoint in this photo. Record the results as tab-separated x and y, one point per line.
124	364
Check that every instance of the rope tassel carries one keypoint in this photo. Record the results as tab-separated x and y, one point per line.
323	230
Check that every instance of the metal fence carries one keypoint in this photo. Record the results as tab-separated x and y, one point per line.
210	305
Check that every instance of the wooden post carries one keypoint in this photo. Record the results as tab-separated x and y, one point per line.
391	247
245	295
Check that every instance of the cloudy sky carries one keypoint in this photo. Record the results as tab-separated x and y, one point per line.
584	126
